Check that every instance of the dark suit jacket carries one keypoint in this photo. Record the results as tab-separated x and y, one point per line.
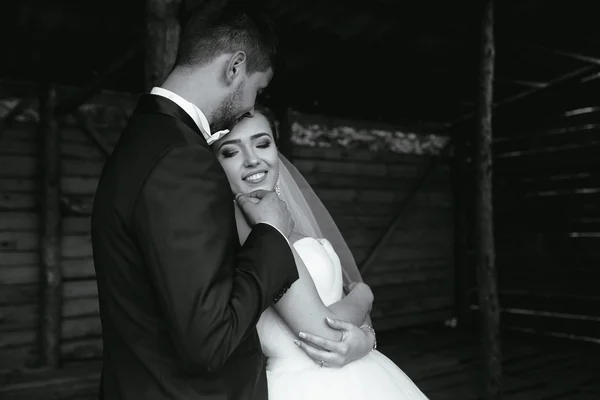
179	297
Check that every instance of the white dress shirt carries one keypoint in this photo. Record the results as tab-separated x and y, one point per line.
194	112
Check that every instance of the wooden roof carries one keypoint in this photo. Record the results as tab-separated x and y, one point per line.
403	62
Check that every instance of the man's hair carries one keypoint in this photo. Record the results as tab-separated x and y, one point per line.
213	29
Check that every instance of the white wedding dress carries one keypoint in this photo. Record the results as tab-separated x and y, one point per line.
291	374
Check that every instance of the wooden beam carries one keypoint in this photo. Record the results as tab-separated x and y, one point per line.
567	54
528	84
14	113
162	40
51	280
380	244
95	136
485	251
83	95
530	94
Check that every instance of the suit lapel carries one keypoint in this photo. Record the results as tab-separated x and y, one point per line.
152	104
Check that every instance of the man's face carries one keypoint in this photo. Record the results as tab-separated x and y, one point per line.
240	102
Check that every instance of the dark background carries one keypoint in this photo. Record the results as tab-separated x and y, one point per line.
394	61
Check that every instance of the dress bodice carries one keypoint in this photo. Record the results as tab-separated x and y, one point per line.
323	264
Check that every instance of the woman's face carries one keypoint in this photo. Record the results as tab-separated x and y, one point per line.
249	156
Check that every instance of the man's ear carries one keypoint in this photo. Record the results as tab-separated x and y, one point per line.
236	67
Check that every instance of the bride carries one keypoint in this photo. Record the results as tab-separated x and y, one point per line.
251	161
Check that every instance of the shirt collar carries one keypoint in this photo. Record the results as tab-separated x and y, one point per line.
194	112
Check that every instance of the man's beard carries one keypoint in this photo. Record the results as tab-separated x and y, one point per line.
228	112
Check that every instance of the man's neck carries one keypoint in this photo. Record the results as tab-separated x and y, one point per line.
195	88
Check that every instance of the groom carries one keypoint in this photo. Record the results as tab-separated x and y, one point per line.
179	298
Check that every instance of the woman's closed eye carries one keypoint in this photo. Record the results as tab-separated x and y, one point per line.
264	145
228	153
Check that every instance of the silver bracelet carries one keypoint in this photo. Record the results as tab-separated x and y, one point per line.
374	335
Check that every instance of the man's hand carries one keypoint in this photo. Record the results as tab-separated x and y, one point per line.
262	206
355	344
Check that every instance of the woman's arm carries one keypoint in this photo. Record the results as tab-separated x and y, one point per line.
303	311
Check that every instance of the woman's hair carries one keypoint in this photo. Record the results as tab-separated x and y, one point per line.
270	116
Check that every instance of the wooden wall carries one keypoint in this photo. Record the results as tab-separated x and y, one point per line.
547	191
412	278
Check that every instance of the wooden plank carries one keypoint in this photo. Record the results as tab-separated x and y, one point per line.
12	339
573	156
401	306
17	202
409	272
430	287
519	180
82	268
81	328
353	169
405	253
18	317
15	258
19	241
16	166
80	289
424	236
18	357
72	246
17	185
28	222
25	166
25	316
438	181
542	324
70	185
551	303
390	323
83	349
18	294
85	306
356	155
549	141
15	294
18	221
24	134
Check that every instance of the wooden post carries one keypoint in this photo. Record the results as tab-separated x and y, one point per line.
51	276
162	40
485	252
461	190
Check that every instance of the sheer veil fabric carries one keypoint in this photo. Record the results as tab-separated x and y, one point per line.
310	216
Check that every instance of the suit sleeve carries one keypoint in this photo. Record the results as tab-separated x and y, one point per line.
212	292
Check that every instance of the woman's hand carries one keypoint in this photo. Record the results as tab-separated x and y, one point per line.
354	345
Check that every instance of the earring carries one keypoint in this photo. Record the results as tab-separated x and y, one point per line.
277	188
